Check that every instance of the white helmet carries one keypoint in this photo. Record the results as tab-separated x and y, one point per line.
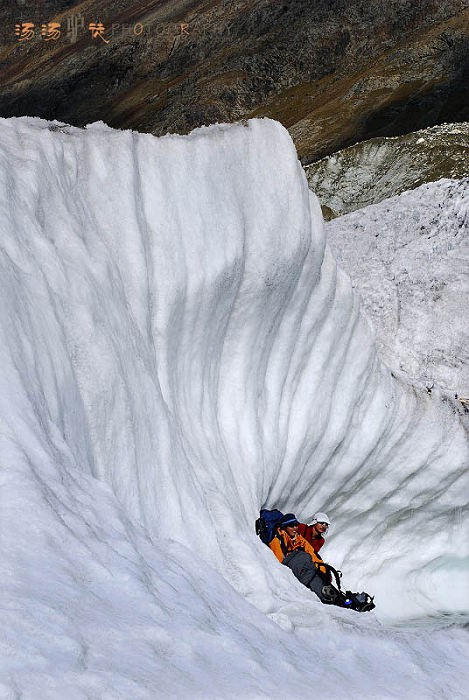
320	518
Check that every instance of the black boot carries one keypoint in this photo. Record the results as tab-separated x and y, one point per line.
361	602
331	596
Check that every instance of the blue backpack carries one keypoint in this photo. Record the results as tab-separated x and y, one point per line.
267	523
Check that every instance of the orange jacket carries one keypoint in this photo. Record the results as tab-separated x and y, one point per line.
282	543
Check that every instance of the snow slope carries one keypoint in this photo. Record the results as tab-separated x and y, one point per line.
409	258
178	348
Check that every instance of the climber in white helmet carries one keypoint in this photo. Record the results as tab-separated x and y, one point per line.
315	529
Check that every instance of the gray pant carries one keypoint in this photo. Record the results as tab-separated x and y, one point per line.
305	571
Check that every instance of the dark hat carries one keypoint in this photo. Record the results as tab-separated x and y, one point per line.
288	520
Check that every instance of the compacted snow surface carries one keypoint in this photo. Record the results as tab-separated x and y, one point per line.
178	349
409	258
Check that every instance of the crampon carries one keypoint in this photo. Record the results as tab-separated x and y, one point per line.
361	602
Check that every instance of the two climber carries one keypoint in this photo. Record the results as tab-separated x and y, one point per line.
297	546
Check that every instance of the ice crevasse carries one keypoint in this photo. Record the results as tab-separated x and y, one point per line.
177	349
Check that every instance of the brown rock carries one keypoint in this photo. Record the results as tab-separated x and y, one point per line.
333	72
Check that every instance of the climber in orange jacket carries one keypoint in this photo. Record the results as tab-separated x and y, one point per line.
292	550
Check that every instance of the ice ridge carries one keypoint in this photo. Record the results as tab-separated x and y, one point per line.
179	348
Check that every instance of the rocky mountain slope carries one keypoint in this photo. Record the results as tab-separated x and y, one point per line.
373	170
334	72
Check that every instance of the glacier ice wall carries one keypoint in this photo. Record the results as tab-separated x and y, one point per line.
412	273
178	348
